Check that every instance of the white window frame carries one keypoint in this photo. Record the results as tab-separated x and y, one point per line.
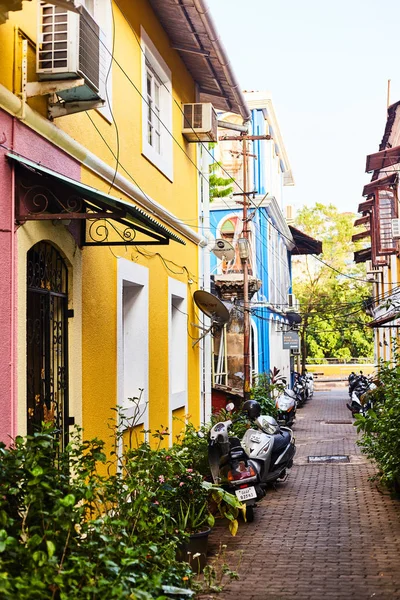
154	64
177	398
131	274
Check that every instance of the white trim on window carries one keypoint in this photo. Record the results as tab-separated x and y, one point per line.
133	337
156	90
177	347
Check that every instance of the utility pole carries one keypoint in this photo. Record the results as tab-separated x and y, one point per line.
245	262
244	251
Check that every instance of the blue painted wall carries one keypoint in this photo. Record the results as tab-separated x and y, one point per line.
261	227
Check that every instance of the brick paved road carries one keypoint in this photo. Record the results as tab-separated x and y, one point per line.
327	532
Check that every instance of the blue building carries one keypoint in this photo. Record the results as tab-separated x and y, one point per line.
272	243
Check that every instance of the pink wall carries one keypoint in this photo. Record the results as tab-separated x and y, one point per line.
30	145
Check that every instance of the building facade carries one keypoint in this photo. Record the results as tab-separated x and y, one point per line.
103	202
379	214
272	242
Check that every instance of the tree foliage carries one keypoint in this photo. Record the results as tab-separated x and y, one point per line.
220	186
331	290
380	426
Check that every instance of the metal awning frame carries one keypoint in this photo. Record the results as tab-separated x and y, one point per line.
104	215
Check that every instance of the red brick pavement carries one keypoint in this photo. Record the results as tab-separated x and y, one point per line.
327	532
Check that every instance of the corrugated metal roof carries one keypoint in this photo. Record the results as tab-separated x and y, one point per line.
189	26
382	181
391	117
362	255
305	244
383	159
134	214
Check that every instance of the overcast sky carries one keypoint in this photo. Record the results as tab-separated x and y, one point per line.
327	65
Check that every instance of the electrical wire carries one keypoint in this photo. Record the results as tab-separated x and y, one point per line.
207	150
204	146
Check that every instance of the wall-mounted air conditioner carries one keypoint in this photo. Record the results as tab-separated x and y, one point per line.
396	229
292	303
71	46
200	122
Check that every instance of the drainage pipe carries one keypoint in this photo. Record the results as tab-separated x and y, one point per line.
234	126
22	111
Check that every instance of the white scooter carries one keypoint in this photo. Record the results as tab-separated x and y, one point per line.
286	405
246	467
309	384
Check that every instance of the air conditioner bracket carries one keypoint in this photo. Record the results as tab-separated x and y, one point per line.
41	88
61	109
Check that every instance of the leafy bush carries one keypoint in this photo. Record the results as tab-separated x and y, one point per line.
268	386
74	524
380	427
69	532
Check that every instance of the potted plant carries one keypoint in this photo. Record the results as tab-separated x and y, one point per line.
194	516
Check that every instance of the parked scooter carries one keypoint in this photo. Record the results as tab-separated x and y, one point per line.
286	405
300	389
357	380
360	400
309	377
246	467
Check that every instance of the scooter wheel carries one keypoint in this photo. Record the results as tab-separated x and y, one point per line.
249	514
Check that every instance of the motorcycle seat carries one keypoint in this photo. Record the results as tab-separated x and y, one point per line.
234	442
281	440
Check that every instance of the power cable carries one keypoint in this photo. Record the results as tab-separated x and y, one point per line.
204	146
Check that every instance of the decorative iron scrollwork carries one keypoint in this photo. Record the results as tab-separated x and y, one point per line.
47	343
38	199
101	231
46	269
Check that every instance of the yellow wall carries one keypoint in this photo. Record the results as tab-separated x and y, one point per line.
180	197
338	370
99	264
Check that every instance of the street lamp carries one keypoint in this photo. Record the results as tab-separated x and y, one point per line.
244	248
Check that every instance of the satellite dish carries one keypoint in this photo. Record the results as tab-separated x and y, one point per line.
223	250
211	306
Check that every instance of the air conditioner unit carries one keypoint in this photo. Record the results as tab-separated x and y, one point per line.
396	229
71	46
200	122
293	303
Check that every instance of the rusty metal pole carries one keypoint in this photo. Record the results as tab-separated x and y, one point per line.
246	315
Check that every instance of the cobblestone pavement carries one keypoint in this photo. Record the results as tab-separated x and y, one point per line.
327	532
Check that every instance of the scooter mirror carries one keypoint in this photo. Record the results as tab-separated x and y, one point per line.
229	407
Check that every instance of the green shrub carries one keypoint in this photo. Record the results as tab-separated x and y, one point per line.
267	388
380	439
75	524
66	531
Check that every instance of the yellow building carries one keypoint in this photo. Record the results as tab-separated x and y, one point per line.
104	209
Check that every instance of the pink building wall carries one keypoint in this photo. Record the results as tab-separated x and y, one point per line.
16	136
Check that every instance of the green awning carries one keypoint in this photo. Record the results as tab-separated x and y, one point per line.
88	204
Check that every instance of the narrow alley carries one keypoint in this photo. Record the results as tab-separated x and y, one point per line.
327	532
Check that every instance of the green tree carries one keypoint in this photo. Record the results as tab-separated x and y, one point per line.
220	186
331	290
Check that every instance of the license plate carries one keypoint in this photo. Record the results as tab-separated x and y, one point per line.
255	438
246	493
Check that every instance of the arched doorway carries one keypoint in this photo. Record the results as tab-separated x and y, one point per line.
47	339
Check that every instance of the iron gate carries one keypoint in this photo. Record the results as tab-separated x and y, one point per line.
47	339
